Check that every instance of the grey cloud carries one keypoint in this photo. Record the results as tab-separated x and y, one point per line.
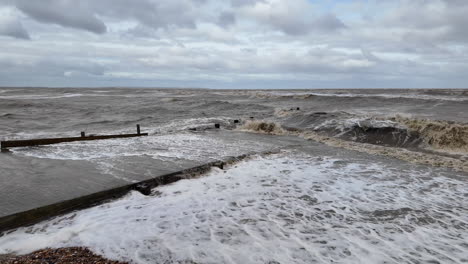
173	40
456	3
293	27
295	17
6	2
91	15
238	3
10	26
151	13
140	31
369	55
88	14
329	22
226	19
74	14
297	26
422	23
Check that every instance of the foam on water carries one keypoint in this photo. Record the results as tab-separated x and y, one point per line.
168	140
439	135
182	145
306	95
112	156
187	123
261	126
346	124
283	208
268	127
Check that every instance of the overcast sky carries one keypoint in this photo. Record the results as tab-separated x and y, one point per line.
234	43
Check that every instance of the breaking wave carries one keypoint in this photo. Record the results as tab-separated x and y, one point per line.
263	127
393	131
378	140
439	135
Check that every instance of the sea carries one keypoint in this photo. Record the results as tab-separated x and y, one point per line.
376	175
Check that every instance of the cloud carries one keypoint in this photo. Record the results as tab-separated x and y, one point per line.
10	25
67	13
328	23
223	43
294	17
430	21
238	3
151	13
90	15
226	19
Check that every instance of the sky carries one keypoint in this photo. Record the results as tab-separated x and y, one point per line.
234	43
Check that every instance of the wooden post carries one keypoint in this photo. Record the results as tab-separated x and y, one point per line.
47	141
138	129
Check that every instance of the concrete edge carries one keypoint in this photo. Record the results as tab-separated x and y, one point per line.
10	222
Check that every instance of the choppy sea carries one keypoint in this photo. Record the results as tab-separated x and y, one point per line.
389	184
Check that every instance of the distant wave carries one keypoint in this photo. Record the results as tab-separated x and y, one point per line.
307	95
397	96
5	91
40	96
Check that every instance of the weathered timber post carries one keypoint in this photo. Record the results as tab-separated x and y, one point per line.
47	141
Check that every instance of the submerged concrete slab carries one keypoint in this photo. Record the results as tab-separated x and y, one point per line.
33	187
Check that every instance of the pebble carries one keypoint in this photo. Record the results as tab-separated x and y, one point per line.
72	255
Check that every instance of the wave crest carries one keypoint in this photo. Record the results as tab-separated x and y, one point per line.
439	135
260	126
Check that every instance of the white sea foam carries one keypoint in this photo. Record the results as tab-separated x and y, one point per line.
110	156
181	145
348	123
186	123
283	208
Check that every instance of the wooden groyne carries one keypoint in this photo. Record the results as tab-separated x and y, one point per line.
48	141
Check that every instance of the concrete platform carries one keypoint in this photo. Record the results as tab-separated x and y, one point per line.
33	188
